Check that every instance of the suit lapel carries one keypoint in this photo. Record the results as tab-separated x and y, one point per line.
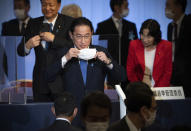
170	28
17	30
140	55
112	27
158	56
58	24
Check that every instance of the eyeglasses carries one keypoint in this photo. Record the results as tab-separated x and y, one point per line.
80	37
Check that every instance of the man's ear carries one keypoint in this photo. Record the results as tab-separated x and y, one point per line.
53	110
144	112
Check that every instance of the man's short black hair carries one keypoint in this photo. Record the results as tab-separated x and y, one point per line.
96	98
81	21
154	29
27	2
64	104
115	2
59	1
182	3
138	94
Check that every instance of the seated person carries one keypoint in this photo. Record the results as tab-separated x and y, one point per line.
96	111
141	108
72	10
65	111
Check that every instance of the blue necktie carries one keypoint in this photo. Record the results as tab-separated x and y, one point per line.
83	66
50	30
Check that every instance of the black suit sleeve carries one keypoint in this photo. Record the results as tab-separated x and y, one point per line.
4	28
117	74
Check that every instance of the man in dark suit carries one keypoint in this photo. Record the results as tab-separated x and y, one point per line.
17	27
179	31
141	108
65	111
121	30
45	33
82	76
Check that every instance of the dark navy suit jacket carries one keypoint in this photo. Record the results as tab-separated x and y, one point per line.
60	31
96	73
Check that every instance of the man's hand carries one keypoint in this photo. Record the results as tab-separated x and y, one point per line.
47	36
73	52
33	42
101	56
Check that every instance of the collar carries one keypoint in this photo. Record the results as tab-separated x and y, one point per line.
115	19
53	22
63	119
25	21
132	127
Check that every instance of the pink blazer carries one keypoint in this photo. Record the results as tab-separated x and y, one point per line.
162	68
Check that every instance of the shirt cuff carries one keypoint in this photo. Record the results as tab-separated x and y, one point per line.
27	51
110	66
63	61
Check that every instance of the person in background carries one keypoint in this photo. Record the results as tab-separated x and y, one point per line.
17	27
72	10
83	67
150	57
119	32
141	108
65	111
116	24
96	111
179	31
46	33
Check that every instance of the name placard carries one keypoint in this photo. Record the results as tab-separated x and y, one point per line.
168	93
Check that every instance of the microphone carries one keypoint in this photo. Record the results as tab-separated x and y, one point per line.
44	28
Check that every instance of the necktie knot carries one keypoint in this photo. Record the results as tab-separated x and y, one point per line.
23	28
119	22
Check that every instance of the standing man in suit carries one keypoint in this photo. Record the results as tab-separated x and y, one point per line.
141	108
179	31
84	67
17	27
117	25
45	33
65	111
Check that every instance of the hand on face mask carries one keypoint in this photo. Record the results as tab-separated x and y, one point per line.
169	14
97	126
87	54
19	14
125	13
151	119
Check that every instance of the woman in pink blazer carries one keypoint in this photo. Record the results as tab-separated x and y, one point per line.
150	58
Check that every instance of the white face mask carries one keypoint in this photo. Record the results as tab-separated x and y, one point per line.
87	54
150	121
97	126
169	14
19	13
125	13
